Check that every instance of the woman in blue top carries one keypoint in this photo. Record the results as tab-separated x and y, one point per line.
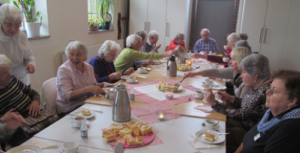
104	68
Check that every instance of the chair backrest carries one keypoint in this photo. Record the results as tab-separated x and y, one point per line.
48	95
166	49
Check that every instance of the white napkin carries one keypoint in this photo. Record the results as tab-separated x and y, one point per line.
205	108
42	144
199	145
141	76
93	107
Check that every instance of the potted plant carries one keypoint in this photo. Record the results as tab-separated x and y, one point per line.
102	7
32	25
94	23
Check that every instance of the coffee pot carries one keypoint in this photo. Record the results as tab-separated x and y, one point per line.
121	105
171	67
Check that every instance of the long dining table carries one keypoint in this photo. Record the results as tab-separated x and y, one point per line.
175	134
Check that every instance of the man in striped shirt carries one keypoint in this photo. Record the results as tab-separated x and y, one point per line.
206	43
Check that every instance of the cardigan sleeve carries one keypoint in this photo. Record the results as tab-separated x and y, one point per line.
226	73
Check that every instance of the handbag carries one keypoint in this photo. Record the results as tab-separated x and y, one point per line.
35	124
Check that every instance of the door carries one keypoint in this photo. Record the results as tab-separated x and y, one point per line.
276	22
138	15
176	18
157	20
252	21
290	53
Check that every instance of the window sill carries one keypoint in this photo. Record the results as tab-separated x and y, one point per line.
99	31
39	37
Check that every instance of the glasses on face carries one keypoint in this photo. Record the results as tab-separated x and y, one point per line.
10	25
272	92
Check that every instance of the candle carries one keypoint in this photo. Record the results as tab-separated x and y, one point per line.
193	60
161	116
169	93
189	63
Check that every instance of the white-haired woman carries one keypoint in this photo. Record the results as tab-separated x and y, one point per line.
129	55
178	40
76	80
144	37
14	43
232	72
104	67
256	76
150	46
231	39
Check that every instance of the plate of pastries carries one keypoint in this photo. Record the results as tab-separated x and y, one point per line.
132	134
184	67
162	86
210	137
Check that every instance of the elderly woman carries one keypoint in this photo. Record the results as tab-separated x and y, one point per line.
129	55
144	36
278	130
178	40
150	46
76	80
231	39
104	67
14	43
245	113
232	72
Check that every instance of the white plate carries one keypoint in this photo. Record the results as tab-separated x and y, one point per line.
136	81
25	149
148	69
217	87
187	70
76	126
78	113
194	95
219	138
216	128
142	72
179	89
205	83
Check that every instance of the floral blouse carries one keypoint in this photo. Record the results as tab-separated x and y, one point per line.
248	109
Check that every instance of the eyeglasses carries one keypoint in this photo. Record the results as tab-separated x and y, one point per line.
272	92
10	25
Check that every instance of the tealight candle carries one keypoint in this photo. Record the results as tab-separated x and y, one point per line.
169	93
161	114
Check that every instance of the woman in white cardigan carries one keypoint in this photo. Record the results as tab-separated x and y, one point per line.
14	43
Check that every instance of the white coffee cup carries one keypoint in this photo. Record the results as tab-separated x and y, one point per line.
199	94
225	47
77	120
215	65
131	79
69	147
226	59
142	70
207	82
211	124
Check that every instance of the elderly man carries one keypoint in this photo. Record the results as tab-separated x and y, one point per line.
129	55
206	43
14	43
150	46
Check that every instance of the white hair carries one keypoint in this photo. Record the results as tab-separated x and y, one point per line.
142	34
80	47
204	29
233	37
153	33
256	64
107	47
133	39
4	61
10	10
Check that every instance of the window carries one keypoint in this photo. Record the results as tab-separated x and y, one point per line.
92	9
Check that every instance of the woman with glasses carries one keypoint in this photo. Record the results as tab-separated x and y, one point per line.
104	68
14	43
278	130
244	113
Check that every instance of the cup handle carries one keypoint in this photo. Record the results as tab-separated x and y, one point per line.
61	150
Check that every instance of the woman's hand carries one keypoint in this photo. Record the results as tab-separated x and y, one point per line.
34	108
115	76
129	71
12	120
189	74
209	96
225	96
30	68
108	84
96	90
197	55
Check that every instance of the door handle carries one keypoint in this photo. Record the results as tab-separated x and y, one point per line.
148	27
265	35
166	29
261	35
145	26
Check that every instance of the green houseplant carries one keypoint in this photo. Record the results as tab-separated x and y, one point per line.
103	6
94	23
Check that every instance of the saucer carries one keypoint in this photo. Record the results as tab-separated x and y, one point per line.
142	72
198	97
76	126
136	81
148	69
216	128
206	83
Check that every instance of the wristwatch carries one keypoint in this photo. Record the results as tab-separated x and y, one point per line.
107	17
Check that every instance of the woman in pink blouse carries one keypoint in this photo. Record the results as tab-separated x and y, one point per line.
76	80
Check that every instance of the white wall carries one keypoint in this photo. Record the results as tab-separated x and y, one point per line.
67	20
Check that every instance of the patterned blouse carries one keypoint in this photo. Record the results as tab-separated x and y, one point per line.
248	109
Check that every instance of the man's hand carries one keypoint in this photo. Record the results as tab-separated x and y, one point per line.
30	68
209	96
129	71
34	108
12	121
